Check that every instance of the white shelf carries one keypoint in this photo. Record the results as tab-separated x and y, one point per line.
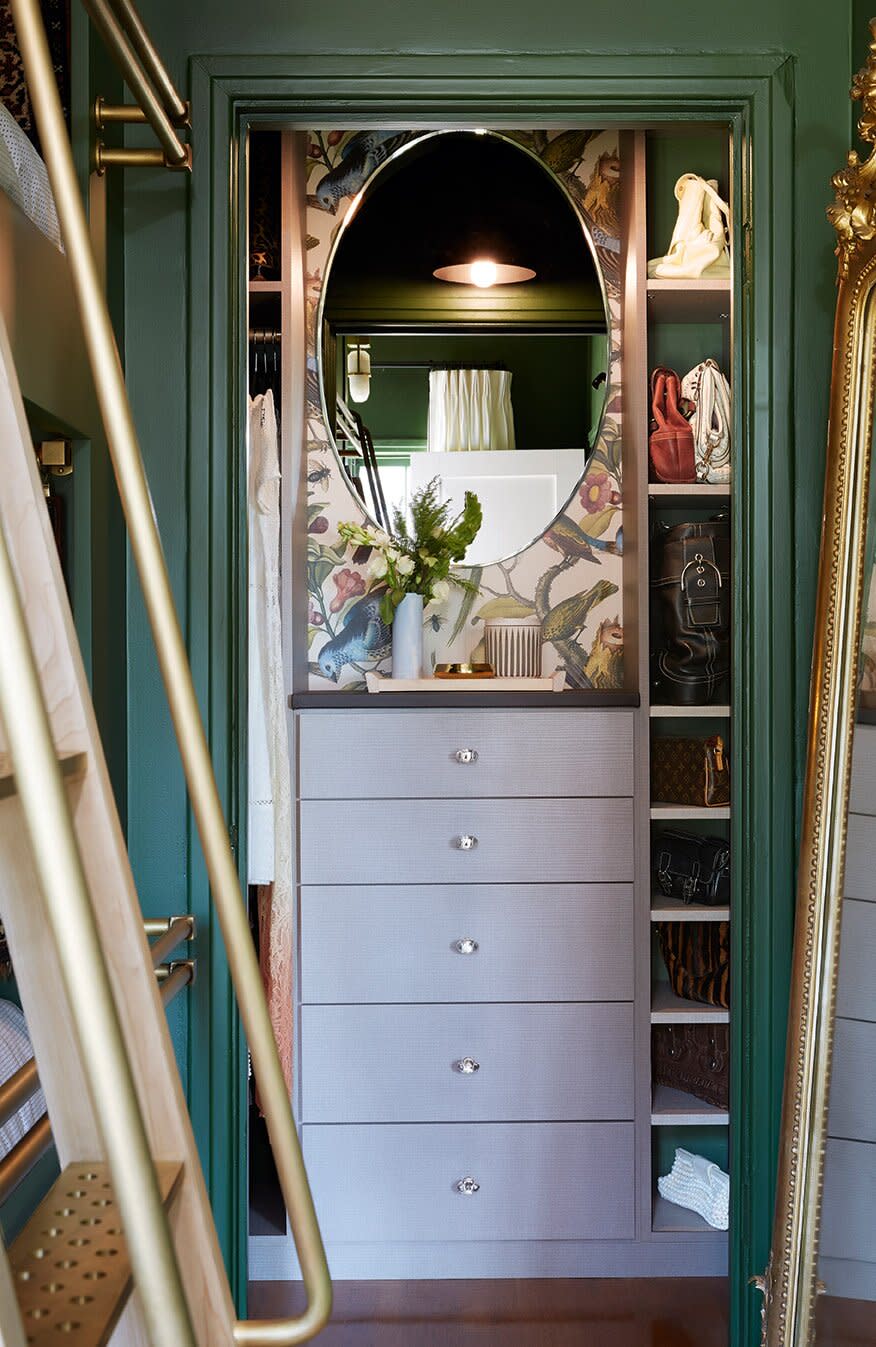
670	1108
689	811
689	491
667	1218
702	301
667	1008
673	909
720	711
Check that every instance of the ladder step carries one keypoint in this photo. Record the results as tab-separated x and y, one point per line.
70	1263
72	767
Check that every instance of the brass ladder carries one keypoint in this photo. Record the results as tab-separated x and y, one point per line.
130	1211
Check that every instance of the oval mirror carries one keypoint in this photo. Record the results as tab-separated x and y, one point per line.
464	336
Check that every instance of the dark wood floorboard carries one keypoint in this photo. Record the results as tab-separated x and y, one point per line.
551	1313
845	1323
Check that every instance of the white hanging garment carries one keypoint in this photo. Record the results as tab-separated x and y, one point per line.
709	390
470	409
270	783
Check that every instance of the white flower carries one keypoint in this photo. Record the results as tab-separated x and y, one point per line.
427	558
404	565
378	566
440	591
437	531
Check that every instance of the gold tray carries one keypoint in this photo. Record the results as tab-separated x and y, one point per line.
464	671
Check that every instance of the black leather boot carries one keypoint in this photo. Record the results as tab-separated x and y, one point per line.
690	580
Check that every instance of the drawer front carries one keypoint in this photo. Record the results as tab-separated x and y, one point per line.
466	841
473	942
430	754
535	1181
459	1063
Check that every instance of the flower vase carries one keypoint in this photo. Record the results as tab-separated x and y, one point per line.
407	638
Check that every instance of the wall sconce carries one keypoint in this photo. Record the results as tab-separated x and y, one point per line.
359	372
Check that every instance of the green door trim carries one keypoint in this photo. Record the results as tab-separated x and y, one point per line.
754	95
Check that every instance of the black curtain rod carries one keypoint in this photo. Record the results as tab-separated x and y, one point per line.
433	364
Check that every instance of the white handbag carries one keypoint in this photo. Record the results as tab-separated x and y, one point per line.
709	391
699	239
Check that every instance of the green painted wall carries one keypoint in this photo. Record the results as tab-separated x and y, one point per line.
818	38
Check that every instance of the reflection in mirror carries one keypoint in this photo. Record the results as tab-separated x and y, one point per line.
847	1255
494	384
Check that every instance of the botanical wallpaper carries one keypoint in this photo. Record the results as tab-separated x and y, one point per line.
571	576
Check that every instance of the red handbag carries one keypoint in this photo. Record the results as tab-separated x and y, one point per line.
671	444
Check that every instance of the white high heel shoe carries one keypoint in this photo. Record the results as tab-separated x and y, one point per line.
699	239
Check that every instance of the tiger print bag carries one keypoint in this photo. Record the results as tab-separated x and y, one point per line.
697	958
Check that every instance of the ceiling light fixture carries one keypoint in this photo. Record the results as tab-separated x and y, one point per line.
484	273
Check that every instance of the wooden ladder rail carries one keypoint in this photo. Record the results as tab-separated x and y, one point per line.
173	662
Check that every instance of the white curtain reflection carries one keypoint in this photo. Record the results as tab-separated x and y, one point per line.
470	409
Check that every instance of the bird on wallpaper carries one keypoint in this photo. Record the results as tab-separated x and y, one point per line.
567	619
363	636
602	199
565	536
565	151
361	155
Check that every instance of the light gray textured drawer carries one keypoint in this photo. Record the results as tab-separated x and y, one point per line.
861	858
473	942
862	797
847	1226
403	754
535	1181
853	1081
856	989
481	1063
425	841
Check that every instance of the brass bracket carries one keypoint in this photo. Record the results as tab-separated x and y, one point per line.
55	457
115	156
130	114
166	933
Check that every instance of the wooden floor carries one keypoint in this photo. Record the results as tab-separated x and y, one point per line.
585	1313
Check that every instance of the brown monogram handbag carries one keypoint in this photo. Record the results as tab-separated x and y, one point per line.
690	771
697	958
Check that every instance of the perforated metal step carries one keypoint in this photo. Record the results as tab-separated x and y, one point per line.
70	1263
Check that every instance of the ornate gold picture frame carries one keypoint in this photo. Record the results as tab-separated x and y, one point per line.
790	1283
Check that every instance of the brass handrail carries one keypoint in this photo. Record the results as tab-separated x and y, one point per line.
175	106
58	864
108	25
173	662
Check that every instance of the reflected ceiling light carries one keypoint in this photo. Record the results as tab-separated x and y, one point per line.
484	273
359	373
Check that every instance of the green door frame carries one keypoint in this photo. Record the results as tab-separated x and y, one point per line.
753	94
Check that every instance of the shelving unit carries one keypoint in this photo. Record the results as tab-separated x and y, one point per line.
677	1108
675	323
667	1008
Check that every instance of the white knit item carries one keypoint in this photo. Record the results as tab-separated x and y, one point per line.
698	1186
15	1052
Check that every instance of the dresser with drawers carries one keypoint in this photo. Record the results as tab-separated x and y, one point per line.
470	1063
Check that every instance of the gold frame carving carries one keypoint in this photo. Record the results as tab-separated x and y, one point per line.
790	1283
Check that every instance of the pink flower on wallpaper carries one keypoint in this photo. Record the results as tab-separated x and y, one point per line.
318	525
595	493
349	584
315	618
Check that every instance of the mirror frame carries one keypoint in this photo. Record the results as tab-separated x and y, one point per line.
420	138
790	1283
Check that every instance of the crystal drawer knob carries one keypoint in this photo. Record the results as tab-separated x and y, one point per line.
465	755
466	945
466	1066
468	1186
466	842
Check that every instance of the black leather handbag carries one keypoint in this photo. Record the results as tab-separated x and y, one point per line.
693	869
